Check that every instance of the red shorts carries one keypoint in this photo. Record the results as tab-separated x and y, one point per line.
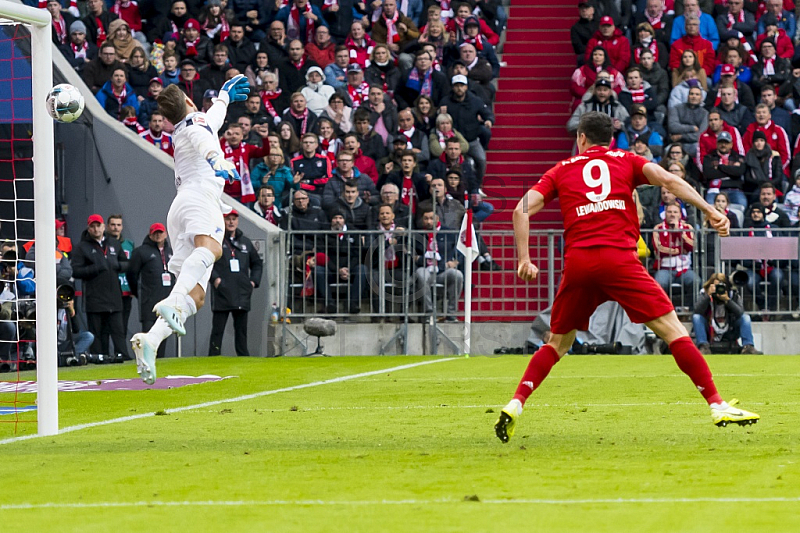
595	275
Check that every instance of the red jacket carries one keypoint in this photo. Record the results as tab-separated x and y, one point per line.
322	56
783	44
241	157
708	143
776	138
129	14
702	47
366	165
487	32
618	48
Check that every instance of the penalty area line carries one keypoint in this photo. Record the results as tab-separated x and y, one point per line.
346	503
242	398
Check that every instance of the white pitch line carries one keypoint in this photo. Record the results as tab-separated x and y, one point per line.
329	503
631	376
245	397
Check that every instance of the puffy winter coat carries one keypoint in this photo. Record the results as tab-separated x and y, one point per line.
146	269
98	265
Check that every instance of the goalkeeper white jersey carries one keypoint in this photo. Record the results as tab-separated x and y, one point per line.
194	138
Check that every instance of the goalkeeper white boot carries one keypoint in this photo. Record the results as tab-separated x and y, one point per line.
172	309
724	414
145	357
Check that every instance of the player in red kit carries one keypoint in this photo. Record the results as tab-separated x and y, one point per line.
595	189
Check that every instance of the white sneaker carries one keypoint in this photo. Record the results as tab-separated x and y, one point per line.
171	309
145	357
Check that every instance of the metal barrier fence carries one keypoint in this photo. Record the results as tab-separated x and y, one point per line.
390	276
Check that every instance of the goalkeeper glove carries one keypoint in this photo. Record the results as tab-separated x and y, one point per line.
222	167
237	88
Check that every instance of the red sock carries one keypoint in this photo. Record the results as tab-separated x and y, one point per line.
538	368
692	363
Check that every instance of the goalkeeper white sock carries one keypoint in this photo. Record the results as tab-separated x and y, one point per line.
193	270
159	332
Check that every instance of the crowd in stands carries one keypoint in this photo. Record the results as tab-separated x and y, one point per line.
710	90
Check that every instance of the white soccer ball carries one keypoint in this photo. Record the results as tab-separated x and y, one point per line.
65	103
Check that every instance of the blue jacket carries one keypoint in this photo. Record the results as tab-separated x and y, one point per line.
332	71
708	29
281	180
787	23
110	103
283	16
168	80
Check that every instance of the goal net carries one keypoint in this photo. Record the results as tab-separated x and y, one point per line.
28	327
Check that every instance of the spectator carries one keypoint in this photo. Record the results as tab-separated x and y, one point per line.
193	45
253	107
190	82
777	137
249	134
452	157
448	210
114	229
444	130
352	202
464	17
166	24
390	196
638	128
585	76
233	278
117	93
382	113
391	162
276	44
359	45
416	141
706	25
614	42
299	116
78	51
240	153
393	240
335	73
692	40
98	73
61	22
708	140
760	270
16	283
484	48
732	112
673	242
172	73
322	50
422	79
343	251
382	71
294	70
657	212
266	206
457	190
273	98
305	221
639	92
339	16
329	143
719	314
97	21
722	204
779	115
301	20
241	50
690	68
763	165
98	260
687	121
356	91
583	30
290	144
646	40
770	68
773	214
339	114
735	18
724	170
603	101
478	69
368	139
473	118
436	263
214	21
732	57
680	93
783	43
364	163
312	169
148	276
727	78
785	19
258	70
655	14
315	92
254	15
274	172
656	76
674	153
791	201
406	178
121	36
394	29
155	135
345	172
140	73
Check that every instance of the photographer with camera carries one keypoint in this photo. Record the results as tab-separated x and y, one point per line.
719	316
73	342
17	288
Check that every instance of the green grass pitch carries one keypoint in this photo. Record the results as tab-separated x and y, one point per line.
617	444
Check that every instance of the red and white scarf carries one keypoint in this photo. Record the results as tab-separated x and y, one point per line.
655	22
222	28
407	190
293	29
101	32
665	238
61	29
267	97
133	124
300	63
304	117
444	136
269	215
476	41
389	256
238	156
733	19
122	95
80	51
769	66
391	28
432	256
191	47
329	148
408	134
637	95
359	94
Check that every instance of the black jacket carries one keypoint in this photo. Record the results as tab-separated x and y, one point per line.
311	220
344	252
99	265
195	89
465	115
78	63
783	71
91	24
215	75
241	54
731	175
438	169
421	186
581	33
405	96
140	79
145	270
389	75
357	217
235	288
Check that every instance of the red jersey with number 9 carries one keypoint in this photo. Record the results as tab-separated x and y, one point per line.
596	193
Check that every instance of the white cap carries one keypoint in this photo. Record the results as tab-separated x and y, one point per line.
459	78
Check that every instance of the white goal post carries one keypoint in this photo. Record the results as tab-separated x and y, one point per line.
39	21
